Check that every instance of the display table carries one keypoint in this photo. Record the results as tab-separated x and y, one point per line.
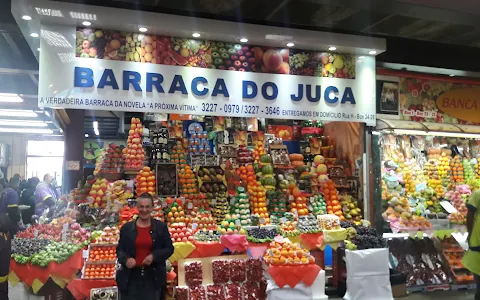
235	243
256	250
301	291
205	249
293	274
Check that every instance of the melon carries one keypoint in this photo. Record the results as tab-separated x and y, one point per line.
322	169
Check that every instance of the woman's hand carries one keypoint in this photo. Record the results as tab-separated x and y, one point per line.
148	260
131	263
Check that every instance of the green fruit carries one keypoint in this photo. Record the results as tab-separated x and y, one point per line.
91	37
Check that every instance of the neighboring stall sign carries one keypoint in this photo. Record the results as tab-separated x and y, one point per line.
439	101
109	70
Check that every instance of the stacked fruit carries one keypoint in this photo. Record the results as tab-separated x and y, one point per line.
308	224
203	220
299	205
141	48
230	225
145	182
119	193
220	209
398	207
101	253
109	235
277	202
258	152
241	206
409	182
468	170
458	198
351	211
444	166
283	252
112	160
205	235
331	198
289	229
176	213
179	154
258	200
244	156
457	169
268	181
319	207
180	233
99	271
98	192
187	181
134	154
247	174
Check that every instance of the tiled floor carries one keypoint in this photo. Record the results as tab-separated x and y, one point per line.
470	295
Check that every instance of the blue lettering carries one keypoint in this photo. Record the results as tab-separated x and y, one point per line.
154	79
348	96
108	79
318	93
245	93
83	77
178	85
133	78
195	83
300	94
329	90
220	88
274	94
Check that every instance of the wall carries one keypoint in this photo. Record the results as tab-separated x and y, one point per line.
17	153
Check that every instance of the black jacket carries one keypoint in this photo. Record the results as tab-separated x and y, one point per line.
7	230
162	249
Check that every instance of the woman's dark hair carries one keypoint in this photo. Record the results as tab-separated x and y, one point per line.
14	182
33	182
146	196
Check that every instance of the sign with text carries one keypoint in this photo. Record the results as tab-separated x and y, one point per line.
103	84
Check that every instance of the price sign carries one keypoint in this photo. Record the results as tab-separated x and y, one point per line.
190	205
35	233
183	200
290	198
194	226
284	220
164	204
85	254
312	199
262	221
65	227
237	222
232	201
214	201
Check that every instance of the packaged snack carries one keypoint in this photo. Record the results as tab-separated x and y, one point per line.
215	292
198	293
233	291
181	293
220	271
237	270
193	273
251	291
254	270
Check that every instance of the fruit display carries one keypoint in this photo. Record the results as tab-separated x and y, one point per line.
220	209
111	162
145	182
332	200
180	233
244	155
99	271
212	182
98	191
205	235
318	205
289	229
284	252
329	222
134	153
268	180
457	218
117	192
24	248
308	224
41	231
467	170
55	252
350	209
257	234
241	206
457	169
299	205
277	203
176	213
102	253
364	238
109	235
179	155
231	225
202	220
296	160
187	181
459	197
258	200
258	152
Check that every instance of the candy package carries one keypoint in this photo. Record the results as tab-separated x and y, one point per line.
193	273
254	270
198	293
181	293
215	292
251	291
220	271
233	291
237	270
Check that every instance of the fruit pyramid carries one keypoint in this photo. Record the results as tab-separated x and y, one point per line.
467	169
220	209
277	202
176	213
332	200
351	211
145	182
258	200
283	252
179	155
241	206
457	169
318	205
444	169
299	205
111	160
134	153
258	151
98	192
203	219
187	181
230	226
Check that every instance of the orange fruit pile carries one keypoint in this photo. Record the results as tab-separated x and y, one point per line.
145	181
101	253
187	181
332	200
287	253
99	271
258	200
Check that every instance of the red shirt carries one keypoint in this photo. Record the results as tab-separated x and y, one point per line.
143	244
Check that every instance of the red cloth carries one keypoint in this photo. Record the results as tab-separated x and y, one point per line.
311	240
206	249
143	244
257	250
293	275
235	242
80	288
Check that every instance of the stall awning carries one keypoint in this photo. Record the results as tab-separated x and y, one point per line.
427	128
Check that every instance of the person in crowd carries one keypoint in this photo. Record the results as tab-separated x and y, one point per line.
471	260
142	250
10	199
7	231
27	197
45	195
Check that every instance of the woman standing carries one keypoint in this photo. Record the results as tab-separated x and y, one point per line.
471	260
142	250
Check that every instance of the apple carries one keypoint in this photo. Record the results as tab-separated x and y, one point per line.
272	60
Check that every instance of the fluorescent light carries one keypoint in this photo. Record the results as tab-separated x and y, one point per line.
332	48
409	131
86	23
38	49
23	123
12	98
196	35
290	44
26	130
455	134
243	40
26	18
95	124
96	131
86	135
361	57
47	113
142	29
18	113
372	52
34	34
452	75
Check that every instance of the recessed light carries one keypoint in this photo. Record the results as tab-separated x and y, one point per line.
372	52
243	40
86	23
142	29
34	34
196	35
452	75
26	18
332	48
290	44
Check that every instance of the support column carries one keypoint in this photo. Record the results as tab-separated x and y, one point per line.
74	136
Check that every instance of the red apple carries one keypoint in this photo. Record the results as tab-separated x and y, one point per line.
272	60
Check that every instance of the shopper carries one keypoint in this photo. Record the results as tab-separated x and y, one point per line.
471	260
7	230
45	195
10	199
142	250
27	197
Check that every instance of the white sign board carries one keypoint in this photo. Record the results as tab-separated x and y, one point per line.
67	81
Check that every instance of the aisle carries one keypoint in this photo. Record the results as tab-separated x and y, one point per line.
437	296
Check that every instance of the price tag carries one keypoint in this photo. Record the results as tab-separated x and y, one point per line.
232	201
64	236
310	208
190	205
183	200
65	227
35	233
164	204
262	221
295	213
268	201
214	201
312	199
237	222
284	220
290	198
85	254
194	226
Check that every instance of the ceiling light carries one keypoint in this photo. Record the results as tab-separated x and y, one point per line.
38	49
332	48
372	52
86	135
26	18
290	44
47	113
361	57
86	23
18	113
142	29
452	75
95	124
96	131
243	40
410	132
196	35
12	98
455	134
26	130
34	34
23	123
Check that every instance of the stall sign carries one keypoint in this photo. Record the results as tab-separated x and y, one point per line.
106	84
